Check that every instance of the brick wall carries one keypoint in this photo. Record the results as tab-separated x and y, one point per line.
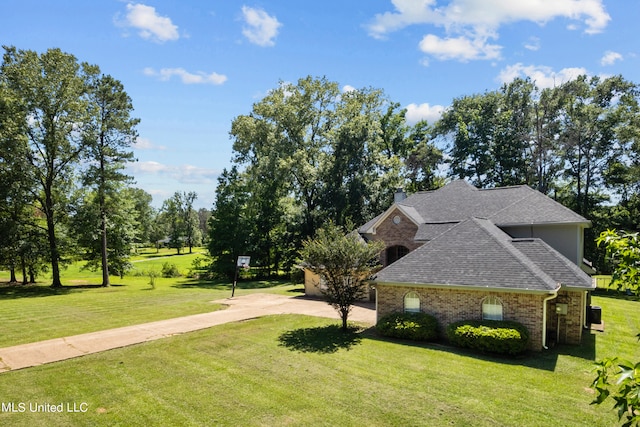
451	305
570	326
400	234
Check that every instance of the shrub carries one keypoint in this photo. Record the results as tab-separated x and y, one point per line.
410	326
170	270
494	336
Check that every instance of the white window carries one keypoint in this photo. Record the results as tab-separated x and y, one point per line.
491	309
411	303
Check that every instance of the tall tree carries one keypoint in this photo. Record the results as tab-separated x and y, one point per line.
145	214
423	160
594	127
181	220
54	91
470	124
121	230
109	138
229	224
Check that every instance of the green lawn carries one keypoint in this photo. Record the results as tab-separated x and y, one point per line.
37	312
289	369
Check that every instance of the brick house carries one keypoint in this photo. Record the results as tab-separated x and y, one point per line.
462	253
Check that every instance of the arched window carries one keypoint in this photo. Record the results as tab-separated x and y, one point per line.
491	308
411	303
394	253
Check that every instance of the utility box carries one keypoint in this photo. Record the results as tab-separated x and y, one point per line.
561	309
595	314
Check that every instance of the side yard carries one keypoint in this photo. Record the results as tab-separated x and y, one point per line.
299	370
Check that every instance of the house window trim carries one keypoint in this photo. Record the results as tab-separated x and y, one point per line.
412	309
492	314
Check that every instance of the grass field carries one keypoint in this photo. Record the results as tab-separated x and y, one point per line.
298	370
38	312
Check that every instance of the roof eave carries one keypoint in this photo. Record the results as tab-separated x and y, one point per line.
469	287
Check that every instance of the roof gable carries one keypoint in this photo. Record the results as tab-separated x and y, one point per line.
408	211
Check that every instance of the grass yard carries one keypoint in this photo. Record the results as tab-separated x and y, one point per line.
37	312
299	370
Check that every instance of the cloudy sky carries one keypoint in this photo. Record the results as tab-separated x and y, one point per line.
192	66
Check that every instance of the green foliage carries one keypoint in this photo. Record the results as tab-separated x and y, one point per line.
623	249
344	262
310	154
625	391
409	326
170	270
493	336
229	224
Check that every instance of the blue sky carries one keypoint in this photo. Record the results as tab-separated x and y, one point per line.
191	66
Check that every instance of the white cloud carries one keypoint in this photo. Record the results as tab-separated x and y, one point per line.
470	23
348	88
488	14
460	48
185	174
610	58
542	76
532	44
147	144
200	77
150	25
261	28
430	113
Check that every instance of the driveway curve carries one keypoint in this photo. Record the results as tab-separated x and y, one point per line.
238	308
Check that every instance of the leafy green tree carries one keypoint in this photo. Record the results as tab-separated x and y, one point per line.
108	140
203	221
423	160
229	225
598	117
470	124
618	378
310	154
54	94
144	213
171	215
344	262
121	229
190	219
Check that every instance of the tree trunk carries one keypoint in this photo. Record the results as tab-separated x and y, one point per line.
13	279
105	261
51	235
24	271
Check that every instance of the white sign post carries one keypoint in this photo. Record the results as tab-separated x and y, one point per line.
243	262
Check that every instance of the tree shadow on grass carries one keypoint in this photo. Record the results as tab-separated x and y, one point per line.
16	291
322	339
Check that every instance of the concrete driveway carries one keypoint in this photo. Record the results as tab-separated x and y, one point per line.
239	308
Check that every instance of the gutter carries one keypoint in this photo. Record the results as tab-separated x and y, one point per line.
544	316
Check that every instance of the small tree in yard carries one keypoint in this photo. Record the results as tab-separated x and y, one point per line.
618	378
344	262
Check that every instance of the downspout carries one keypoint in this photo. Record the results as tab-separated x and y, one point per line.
584	316
544	316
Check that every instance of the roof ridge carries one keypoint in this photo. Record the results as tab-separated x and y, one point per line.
518	200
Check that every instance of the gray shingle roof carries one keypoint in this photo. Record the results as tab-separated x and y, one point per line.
477	254
459	200
554	263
